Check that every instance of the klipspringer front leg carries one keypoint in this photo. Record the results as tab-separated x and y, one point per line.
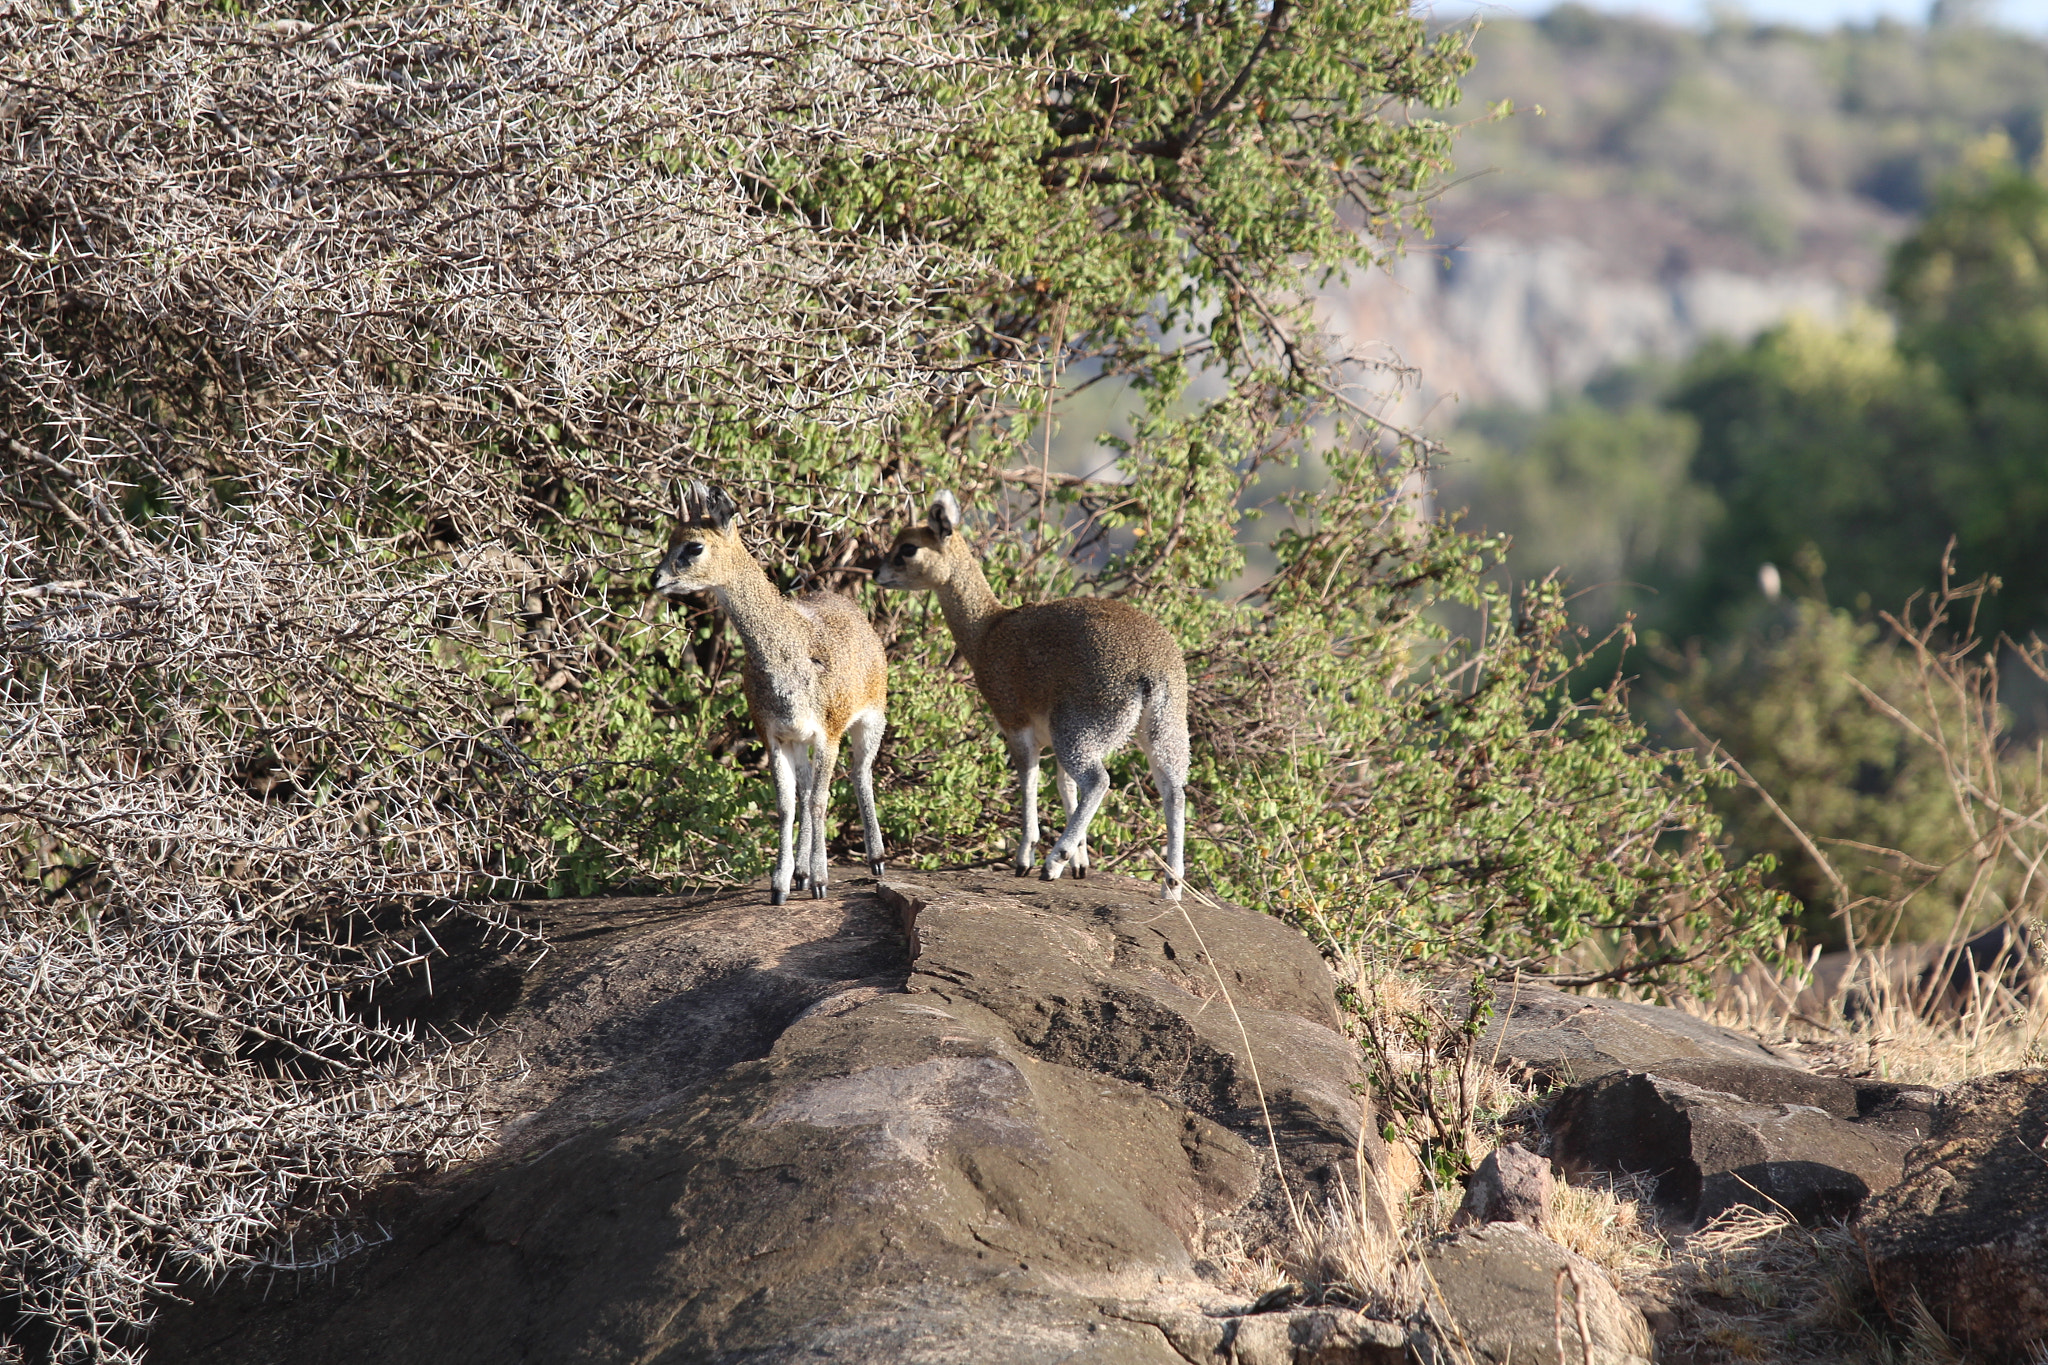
1024	758
818	815
783	763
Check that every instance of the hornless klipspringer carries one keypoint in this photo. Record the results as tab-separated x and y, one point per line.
1081	675
814	672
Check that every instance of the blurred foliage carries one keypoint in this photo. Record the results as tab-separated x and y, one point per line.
1603	487
1835	465
1767	139
1891	747
1824	446
1971	291
1782	696
1844	456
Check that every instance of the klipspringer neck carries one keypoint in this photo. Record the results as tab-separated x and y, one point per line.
969	605
772	630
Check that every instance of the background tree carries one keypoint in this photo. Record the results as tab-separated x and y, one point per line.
1825	448
1603	484
1970	288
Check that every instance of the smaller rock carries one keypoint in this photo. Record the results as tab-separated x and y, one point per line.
1965	1233
1709	1150
1300	1336
1315	1336
1564	1037
1511	1186
1905	1110
1503	1295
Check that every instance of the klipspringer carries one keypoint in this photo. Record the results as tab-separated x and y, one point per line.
814	672
1080	675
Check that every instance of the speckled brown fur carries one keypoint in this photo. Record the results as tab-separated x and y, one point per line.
852	674
814	673
1080	675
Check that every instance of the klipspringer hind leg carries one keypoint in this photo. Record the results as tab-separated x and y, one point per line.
783	764
1024	750
1163	735
1080	742
1065	782
818	814
863	742
800	762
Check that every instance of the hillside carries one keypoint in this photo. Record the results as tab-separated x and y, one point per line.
1658	186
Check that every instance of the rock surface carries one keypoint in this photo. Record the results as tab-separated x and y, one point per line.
1716	1135
1300	1336
1507	1296
1570	1038
1966	1230
750	1134
1512	1185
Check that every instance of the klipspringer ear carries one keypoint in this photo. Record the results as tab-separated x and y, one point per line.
708	506
945	515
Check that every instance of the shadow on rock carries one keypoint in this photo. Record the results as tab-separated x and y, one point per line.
957	1119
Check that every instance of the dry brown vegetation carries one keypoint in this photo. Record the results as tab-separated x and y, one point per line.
1751	1285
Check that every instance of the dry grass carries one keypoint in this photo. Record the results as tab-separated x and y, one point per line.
1751	1286
1360	1243
1612	1224
1430	1082
1238	1270
1871	1024
1758	1287
1414	1044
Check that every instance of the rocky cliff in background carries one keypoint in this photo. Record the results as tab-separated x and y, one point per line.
1520	305
1659	185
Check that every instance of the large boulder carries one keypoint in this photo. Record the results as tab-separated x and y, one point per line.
1712	1134
955	1118
1965	1233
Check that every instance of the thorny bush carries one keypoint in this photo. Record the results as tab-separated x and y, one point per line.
308	320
